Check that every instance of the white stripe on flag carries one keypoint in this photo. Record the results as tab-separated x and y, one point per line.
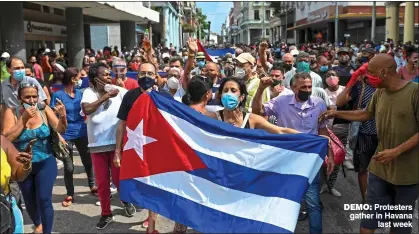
245	153
272	210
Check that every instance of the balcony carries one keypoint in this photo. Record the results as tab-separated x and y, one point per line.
258	4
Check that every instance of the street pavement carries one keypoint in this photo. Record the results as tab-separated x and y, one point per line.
83	215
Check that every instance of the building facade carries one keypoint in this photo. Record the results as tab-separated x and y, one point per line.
28	26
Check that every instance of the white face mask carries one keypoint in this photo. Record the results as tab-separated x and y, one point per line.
109	87
79	83
240	73
173	83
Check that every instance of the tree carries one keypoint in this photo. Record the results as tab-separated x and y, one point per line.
202	23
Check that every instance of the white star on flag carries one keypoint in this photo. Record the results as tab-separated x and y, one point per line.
136	139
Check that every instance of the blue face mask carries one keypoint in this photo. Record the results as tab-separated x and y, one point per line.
324	68
18	75
146	82
364	59
303	66
200	64
230	101
27	106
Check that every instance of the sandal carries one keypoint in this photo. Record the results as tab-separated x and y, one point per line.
93	190
68	201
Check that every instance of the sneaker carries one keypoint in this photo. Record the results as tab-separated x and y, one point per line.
129	209
113	189
323	189
104	221
335	193
98	202
145	223
348	165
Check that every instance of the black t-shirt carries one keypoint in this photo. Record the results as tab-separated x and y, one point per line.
129	99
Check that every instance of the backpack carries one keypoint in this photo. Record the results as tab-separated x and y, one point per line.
7	221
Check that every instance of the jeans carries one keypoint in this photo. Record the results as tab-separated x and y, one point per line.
101	164
37	192
314	210
81	145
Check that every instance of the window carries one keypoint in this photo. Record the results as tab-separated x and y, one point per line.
256	15
267	32
32	6
46	9
58	12
268	14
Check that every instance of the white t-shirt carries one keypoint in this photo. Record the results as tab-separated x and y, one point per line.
102	124
333	96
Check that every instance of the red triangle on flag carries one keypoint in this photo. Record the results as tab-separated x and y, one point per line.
202	49
162	148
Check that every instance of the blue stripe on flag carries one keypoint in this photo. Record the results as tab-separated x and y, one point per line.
189	213
245	179
306	143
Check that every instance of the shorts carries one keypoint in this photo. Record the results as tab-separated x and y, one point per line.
381	192
366	146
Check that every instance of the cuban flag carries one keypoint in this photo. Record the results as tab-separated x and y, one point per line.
212	176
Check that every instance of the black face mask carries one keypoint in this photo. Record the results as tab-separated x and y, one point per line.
303	95
146	82
287	67
276	82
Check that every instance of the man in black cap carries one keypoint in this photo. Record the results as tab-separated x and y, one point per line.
346	67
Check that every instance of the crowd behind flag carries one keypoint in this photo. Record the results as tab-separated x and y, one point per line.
200	172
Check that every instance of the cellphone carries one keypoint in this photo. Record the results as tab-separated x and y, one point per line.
29	146
276	82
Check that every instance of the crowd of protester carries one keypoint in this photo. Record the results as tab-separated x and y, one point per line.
313	88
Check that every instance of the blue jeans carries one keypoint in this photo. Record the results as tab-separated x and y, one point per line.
17	213
314	210
37	193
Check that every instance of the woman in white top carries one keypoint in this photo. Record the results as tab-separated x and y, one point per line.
100	104
340	130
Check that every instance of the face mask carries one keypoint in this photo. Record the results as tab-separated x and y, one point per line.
110	87
332	81
79	83
230	101
286	66
374	81
146	82
239	72
134	66
303	67
324	68
18	75
364	59
173	83
303	95
27	106
201	64
344	59
185	58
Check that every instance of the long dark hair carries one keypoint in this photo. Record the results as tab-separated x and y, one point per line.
198	86
242	88
69	73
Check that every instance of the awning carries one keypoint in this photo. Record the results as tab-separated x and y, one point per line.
341	16
111	11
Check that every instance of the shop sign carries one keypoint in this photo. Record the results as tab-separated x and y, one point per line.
44	29
317	16
347	35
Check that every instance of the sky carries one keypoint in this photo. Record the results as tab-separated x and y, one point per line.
216	12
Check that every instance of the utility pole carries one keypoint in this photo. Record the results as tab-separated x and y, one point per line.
336	24
286	26
263	20
374	17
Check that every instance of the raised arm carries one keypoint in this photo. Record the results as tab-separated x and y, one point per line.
58	124
193	48
262	55
12	127
257	105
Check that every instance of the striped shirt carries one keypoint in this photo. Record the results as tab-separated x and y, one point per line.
369	126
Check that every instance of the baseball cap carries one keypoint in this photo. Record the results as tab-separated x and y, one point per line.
246	58
200	55
5	55
369	50
343	49
294	52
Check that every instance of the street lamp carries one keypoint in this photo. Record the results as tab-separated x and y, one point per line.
209	31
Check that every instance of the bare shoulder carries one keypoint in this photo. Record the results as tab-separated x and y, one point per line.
211	115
